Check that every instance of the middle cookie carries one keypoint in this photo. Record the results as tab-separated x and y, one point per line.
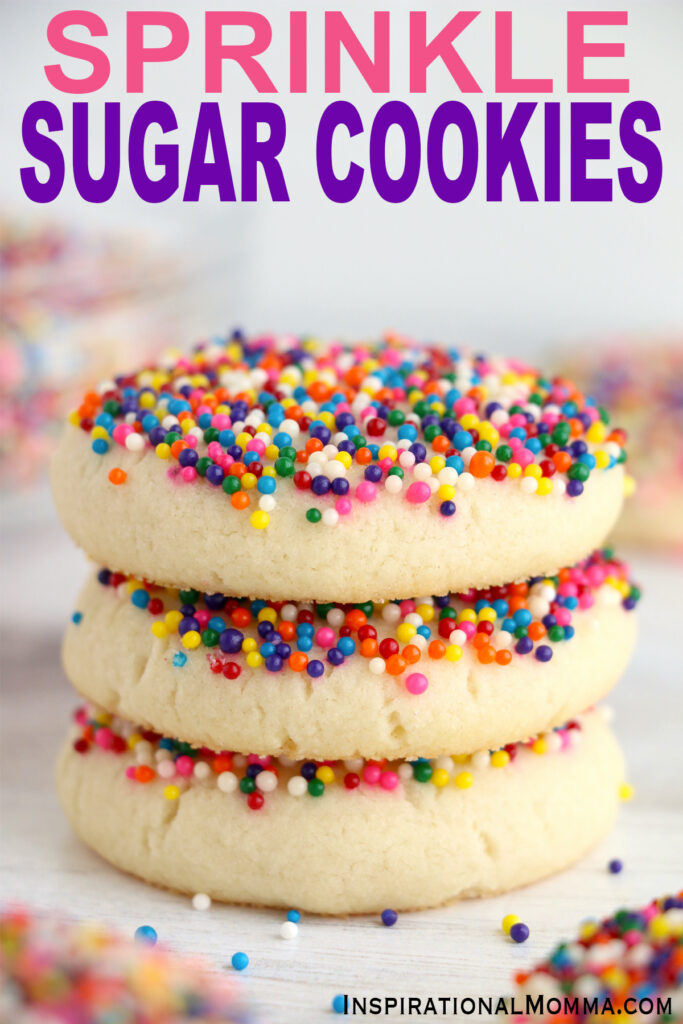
442	675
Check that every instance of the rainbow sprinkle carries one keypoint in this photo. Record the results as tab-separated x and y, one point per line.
340	424
78	972
524	619
635	955
149	757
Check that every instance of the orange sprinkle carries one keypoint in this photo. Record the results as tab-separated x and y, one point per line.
436	649
298	661
143	773
239	500
503	657
481	464
411	653
395	665
117	476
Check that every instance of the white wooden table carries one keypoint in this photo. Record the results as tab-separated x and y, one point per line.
459	950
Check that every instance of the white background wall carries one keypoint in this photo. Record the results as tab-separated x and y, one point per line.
508	276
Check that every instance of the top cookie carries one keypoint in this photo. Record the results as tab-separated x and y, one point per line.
285	469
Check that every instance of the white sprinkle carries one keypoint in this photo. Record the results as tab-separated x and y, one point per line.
200	901
377	666
201	770
266	781
529	484
465	482
289	930
227	782
297	785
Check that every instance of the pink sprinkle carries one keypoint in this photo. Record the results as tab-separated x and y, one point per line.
343	506
563	616
524	457
407	607
389	780
468	628
586	601
130	771
324	637
369	410
416	683
184	765
202	615
214	450
190	440
221	421
385	464
104	738
189	473
366	491
372	774
166	769
418	492
121	432
81	717
256	446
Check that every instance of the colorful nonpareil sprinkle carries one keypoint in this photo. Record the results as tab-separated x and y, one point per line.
498	625
147	757
613	965
78	972
342	424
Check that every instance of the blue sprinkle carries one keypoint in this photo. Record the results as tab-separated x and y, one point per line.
239	961
76	617
339	1004
389	918
293	915
146	935
179	659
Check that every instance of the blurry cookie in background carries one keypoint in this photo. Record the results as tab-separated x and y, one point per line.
641	380
74	305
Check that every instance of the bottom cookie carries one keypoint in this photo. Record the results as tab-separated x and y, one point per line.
339	838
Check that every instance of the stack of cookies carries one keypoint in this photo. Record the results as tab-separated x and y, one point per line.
400	712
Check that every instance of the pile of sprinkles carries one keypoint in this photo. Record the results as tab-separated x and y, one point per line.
631	958
150	757
79	972
341	424
497	624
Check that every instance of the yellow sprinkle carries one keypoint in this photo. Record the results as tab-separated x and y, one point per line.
259	519
325	774
134	739
146	400
243	439
173	620
437	463
163	450
248	480
268	471
463	780
626	791
160	630
405	632
453	652
171	792
597	432
508	921
99	433
387	451
254	659
187	425
191	639
588	929
74	418
545	486
271	452
499	758
440	777
327	418
487	615
602	461
533	470
467	615
469	420
249	645
539	746
425	611
461	758
446	492
514	470
267	615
